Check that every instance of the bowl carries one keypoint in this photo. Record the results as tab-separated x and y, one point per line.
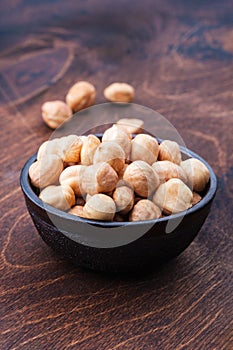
152	242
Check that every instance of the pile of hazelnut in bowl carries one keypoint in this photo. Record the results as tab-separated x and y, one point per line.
124	175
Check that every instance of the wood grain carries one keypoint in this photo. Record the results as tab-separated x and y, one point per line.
179	58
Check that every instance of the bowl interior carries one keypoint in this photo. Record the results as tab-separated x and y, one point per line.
32	193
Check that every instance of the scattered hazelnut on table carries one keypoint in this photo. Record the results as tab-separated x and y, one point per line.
173	196
144	147
167	170
100	207
141	176
144	209
81	95
119	92
60	197
54	113
197	173
131	126
170	150
46	171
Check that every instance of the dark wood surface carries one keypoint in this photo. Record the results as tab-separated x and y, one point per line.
179	57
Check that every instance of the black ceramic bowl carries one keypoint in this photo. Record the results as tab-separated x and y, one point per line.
65	233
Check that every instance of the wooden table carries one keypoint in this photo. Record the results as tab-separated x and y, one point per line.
179	57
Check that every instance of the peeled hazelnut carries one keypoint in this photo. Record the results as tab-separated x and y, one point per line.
77	210
46	171
197	173
49	147
144	147
170	150
81	95
70	148
67	147
131	126
196	198
83	138
90	144
119	92
111	153
60	197
71	176
98	178
144	210
124	199
167	170
100	207
173	196
142	178
54	113
120	136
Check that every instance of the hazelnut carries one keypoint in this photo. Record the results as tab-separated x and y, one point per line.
124	199
196	198
72	176
81	95
100	207
120	136
60	197
98	178
167	170
54	113
46	171
141	177
131	126
77	210
111	153
173	196
90	144
144	147
83	138
88	196
144	210
119	92
70	148
170	150
49	147
197	173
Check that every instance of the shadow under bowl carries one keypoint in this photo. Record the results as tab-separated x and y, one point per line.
65	233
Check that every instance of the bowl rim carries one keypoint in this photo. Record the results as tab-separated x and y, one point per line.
29	193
